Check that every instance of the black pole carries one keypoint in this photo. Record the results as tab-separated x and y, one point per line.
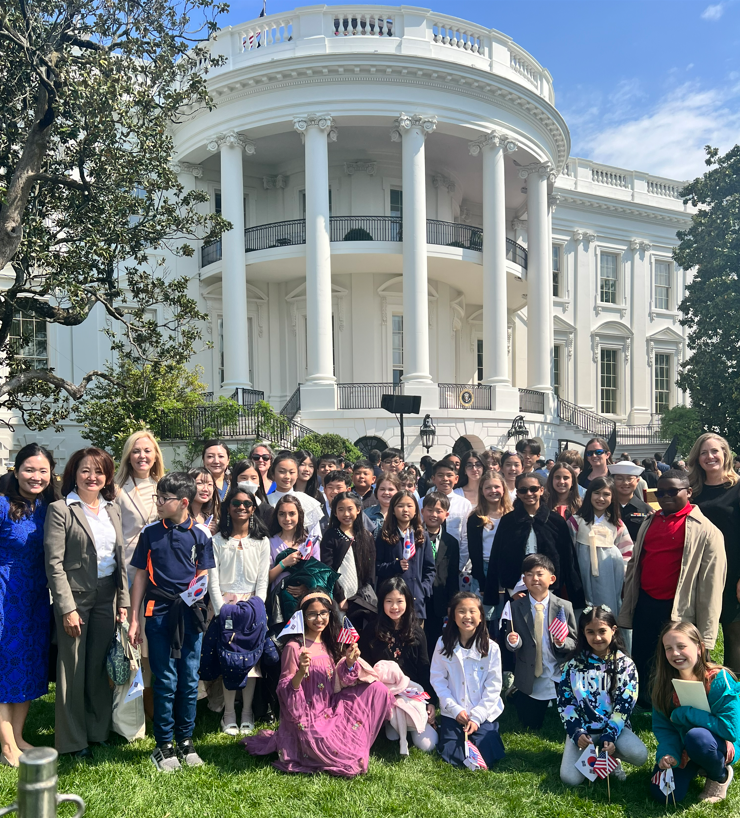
400	420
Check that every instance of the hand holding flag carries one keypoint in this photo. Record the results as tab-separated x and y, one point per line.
348	635
505	615
409	546
306	549
559	627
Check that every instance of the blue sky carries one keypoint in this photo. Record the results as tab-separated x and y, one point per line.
643	84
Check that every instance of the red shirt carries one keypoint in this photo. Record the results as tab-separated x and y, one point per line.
662	552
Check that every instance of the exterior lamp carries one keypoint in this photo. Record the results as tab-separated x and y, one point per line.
427	432
518	429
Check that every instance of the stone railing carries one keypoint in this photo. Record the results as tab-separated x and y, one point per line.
417	32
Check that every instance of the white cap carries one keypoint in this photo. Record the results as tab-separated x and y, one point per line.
625	467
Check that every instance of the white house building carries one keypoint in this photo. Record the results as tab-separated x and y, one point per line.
407	217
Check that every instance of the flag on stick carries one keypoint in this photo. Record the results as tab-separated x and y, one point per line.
294	626
505	614
559	626
409	546
473	758
605	764
348	635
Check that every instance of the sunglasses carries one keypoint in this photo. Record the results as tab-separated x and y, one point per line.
668	492
595	451
528	489
245	503
261	457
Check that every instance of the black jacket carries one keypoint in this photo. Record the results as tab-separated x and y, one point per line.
334	547
420	574
509	550
634	515
475	549
447	575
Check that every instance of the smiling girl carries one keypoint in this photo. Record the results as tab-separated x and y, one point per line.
206	508
562	490
492	503
385	488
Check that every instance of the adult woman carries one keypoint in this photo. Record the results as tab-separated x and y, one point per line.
86	569
492	503
471	471
307	481
141	467
216	455
320	730
561	491
262	456
511	467
385	488
206	508
716	490
24	600
598	457
531	528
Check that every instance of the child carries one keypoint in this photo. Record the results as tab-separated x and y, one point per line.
466	676
597	694
562	492
493	502
349	550
435	509
288	530
409	480
385	488
320	730
326	464
170	554
402	532
602	543
241	552
539	655
444	479
689	739
334	483
285	474
391	461
396	636
363	482
206	508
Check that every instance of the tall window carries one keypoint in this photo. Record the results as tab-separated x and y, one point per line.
220	351
303	203
557	267
662	285
396	213
397	348
479	359
608	381
28	340
250	348
557	372
608	278
662	382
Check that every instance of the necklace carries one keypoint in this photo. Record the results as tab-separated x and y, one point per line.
90	506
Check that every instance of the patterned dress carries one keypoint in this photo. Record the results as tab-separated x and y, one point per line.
320	730
24	607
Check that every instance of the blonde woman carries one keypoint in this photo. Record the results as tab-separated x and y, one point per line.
716	490
136	480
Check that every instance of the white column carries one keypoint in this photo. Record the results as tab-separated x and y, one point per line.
233	263
319	392
642	376
412	131
539	282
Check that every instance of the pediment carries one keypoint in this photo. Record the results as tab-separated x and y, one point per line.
394	288
667	334
613	328
300	292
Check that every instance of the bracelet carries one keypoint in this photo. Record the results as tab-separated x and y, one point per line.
281	565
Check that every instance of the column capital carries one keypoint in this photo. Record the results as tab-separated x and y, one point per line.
406	122
640	244
492	139
278	182
519	224
440	180
232	140
186	167
553	200
370	168
324	122
544	170
584	235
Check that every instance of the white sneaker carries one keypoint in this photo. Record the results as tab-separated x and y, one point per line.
186	753
229	728
165	759
713	791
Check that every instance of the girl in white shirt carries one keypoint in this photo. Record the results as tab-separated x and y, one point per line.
466	676
241	551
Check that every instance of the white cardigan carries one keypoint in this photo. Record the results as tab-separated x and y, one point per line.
238	570
468	681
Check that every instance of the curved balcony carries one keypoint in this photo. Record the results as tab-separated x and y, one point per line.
362	228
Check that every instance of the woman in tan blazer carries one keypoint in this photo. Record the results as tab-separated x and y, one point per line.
85	566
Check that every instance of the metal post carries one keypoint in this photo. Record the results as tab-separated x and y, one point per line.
400	420
37	786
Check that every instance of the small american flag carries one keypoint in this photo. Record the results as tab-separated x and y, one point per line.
409	546
415	695
559	627
656	778
605	764
348	635
473	758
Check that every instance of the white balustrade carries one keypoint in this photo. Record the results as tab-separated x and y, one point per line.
467	39
266	32
524	68
661	188
357	21
602	176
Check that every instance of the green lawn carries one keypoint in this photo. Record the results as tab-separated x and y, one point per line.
122	781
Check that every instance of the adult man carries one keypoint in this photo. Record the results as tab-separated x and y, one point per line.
633	508
659	462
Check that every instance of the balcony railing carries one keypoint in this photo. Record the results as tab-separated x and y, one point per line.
640	435
464	396
364	395
247	397
591	422
292	406
532	401
362	228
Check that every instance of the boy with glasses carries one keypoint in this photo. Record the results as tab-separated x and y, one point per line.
169	556
391	461
634	511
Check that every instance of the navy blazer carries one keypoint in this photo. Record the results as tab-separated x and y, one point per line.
419	576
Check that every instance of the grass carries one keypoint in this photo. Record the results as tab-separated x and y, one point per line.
121	782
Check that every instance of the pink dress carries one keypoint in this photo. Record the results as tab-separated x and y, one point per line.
320	730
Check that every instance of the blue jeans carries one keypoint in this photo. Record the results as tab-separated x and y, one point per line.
707	752
175	683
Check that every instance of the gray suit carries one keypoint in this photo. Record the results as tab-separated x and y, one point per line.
83	696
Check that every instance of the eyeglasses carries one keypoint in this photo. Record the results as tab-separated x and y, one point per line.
599	452
669	492
264	457
528	490
471	466
245	503
161	501
396	462
320	615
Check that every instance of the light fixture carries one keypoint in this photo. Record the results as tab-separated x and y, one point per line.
427	432
518	429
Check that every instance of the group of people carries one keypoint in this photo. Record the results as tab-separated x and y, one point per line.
375	595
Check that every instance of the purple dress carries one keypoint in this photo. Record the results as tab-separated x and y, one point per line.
322	731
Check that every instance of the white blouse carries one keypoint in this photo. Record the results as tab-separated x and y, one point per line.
242	567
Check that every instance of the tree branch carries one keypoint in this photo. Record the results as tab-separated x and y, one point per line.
64	181
72	389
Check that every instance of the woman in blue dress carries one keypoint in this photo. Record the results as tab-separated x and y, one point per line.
24	597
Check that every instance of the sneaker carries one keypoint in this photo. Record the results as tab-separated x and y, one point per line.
713	791
229	727
619	772
186	753
165	759
247	725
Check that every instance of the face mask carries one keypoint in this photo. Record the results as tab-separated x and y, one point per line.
250	487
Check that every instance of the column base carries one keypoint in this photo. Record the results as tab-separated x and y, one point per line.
639	417
318	397
505	398
228	387
428	391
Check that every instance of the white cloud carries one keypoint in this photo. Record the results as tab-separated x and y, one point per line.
667	140
713	13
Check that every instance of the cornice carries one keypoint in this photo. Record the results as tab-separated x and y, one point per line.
247	82
626	209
